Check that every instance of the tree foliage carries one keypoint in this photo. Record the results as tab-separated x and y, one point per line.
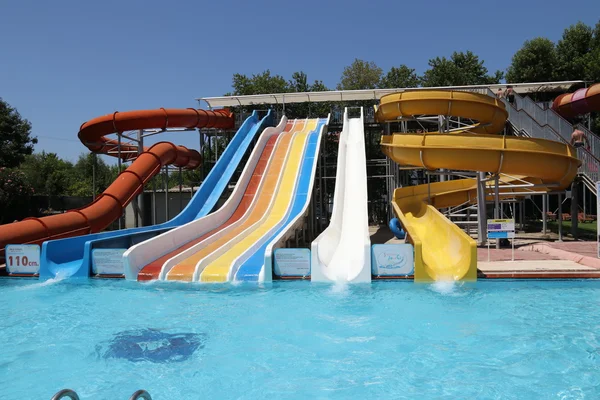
82	176
360	75
258	84
572	51
575	56
15	136
265	82
400	77
461	69
535	62
14	193
48	174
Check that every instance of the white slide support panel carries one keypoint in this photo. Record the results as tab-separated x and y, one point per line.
202	264
266	273
141	254
342	253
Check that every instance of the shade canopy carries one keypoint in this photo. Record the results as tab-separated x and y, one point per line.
370	94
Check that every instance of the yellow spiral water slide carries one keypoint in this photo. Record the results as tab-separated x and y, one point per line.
442	250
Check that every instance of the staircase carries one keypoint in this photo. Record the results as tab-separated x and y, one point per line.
529	119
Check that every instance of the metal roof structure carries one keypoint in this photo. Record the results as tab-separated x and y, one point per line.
369	94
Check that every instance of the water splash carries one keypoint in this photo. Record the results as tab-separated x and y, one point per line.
445	287
340	286
60	276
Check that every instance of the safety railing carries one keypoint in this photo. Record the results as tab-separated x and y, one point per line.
557	123
525	115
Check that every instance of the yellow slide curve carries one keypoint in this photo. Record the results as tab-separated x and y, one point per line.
442	250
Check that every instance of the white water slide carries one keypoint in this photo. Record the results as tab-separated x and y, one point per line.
342	253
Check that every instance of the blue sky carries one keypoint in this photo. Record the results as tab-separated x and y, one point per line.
65	62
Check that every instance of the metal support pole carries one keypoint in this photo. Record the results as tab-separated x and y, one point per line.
522	214
544	213
574	209
154	221
119	166
429	188
166	193
560	217
497	204
216	147
94	176
468	227
584	202
141	202
180	190
481	211
201	138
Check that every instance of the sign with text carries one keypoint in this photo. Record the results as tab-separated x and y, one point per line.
22	258
108	261
500	228
292	262
392	259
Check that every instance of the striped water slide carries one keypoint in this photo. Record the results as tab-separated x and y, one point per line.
144	261
183	267
258	264
223	267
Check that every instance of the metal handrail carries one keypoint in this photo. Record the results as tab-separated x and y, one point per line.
141	394
65	393
527	116
138	395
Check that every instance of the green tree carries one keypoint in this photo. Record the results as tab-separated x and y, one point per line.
572	51
360	75
258	84
592	66
15	192
15	136
461	69
299	83
87	167
400	77
536	61
48	174
596	37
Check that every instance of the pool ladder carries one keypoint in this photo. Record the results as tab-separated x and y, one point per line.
70	394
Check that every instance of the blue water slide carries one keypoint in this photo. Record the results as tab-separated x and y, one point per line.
71	257
250	269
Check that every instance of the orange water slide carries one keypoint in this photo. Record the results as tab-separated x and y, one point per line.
579	102
110	205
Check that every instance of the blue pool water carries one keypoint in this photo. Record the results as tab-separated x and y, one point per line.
296	340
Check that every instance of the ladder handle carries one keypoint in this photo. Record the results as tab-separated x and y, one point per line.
141	394
66	393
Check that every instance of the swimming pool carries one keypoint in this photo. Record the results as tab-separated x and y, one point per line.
491	339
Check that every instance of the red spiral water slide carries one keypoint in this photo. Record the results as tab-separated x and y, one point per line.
110	205
581	101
